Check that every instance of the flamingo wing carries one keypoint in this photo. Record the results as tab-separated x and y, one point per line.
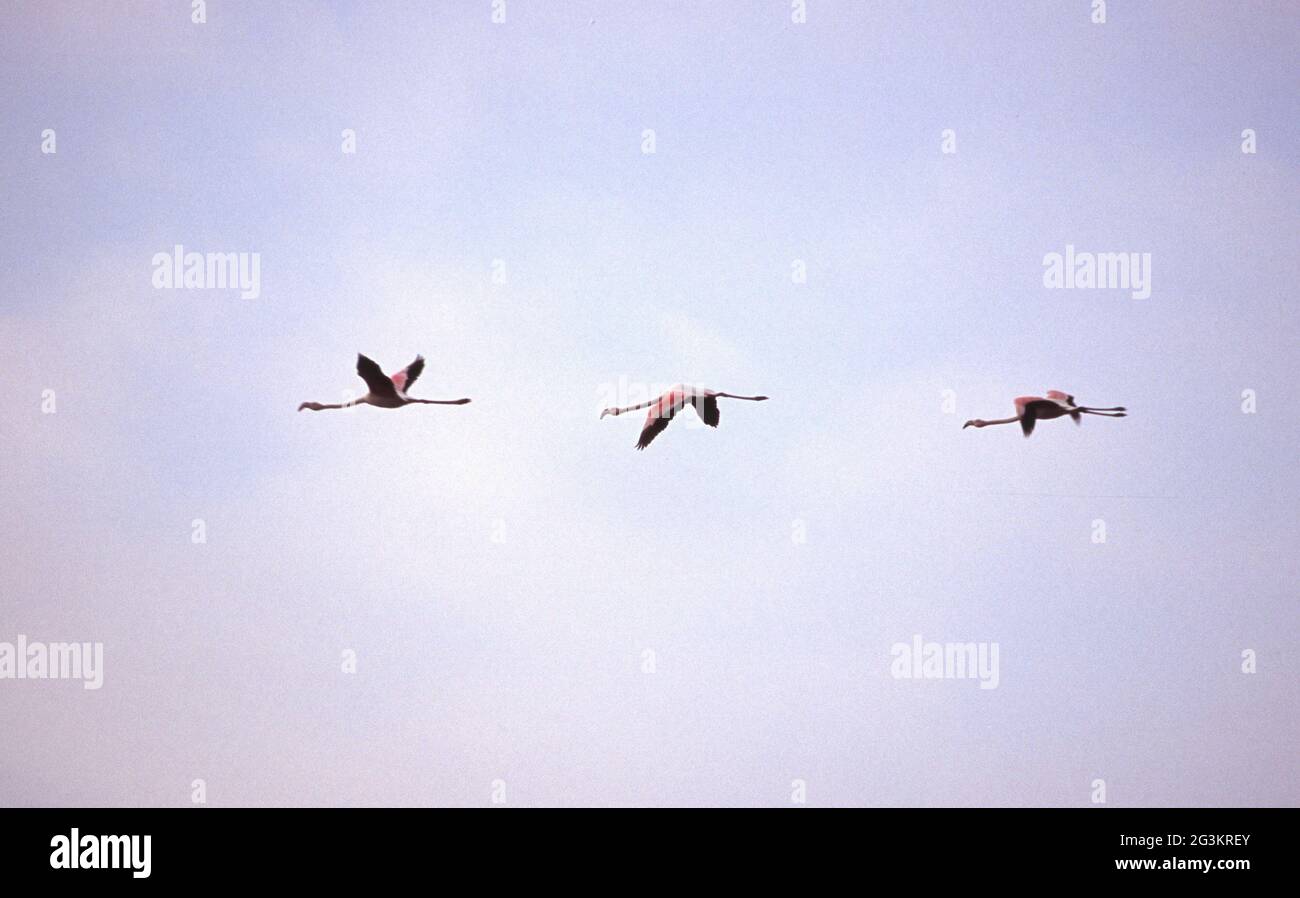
403	379
1061	397
375	379
663	410
707	408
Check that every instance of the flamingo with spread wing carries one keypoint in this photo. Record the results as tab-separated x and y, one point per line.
1032	409
385	391
662	410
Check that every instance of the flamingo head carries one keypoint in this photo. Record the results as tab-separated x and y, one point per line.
974	422
609	411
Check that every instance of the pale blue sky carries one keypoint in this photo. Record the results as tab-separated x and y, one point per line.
521	659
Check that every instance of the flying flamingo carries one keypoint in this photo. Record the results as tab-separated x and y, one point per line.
386	392
671	402
1031	409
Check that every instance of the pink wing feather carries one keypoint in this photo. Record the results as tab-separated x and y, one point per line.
404	378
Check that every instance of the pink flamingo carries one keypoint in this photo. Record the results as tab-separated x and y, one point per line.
386	392
670	403
1031	409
